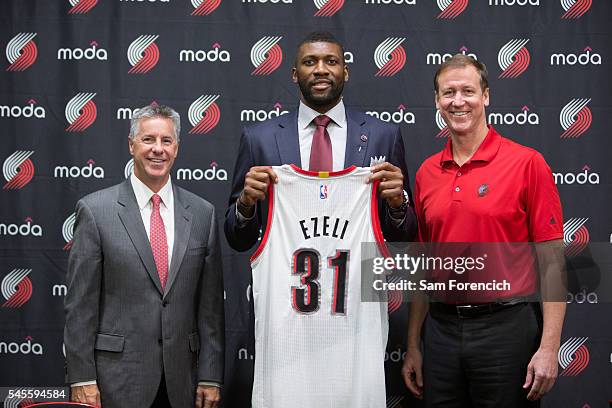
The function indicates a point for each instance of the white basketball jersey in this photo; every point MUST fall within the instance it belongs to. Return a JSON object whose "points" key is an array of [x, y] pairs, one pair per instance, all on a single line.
{"points": [[316, 343]]}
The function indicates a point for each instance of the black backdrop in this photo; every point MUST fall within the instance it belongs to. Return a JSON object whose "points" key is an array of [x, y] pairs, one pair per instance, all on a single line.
{"points": [[75, 70]]}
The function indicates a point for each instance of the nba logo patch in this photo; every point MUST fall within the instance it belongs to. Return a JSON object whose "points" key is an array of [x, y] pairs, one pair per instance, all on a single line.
{"points": [[323, 191]]}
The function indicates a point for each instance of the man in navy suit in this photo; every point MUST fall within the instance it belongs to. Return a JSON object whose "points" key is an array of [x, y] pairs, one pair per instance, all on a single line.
{"points": [[355, 139]]}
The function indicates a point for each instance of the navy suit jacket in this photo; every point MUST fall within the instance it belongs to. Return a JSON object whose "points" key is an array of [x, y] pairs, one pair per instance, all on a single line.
{"points": [[275, 142]]}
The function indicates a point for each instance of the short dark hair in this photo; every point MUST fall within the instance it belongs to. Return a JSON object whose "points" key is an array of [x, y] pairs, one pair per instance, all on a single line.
{"points": [[321, 36], [461, 61]]}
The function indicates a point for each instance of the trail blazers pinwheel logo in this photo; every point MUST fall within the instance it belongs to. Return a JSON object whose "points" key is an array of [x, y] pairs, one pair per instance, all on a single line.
{"points": [[204, 114], [68, 231], [451, 8], [266, 55], [18, 170], [441, 125], [513, 58], [81, 6], [575, 8], [81, 112], [143, 54], [575, 236], [575, 118], [395, 297], [327, 8], [204, 7], [129, 168], [21, 52], [390, 56], [16, 288], [573, 356]]}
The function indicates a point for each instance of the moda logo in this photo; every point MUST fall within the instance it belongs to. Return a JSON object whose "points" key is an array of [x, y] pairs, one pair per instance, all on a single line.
{"points": [[268, 1], [575, 236], [213, 55], [390, 56], [327, 8], [514, 2], [582, 296], [86, 171], [441, 125], [437, 58], [573, 356], [143, 54], [451, 8], [266, 55], [204, 7], [214, 173], [525, 117], [585, 58], [385, 2], [127, 113], [81, 6], [575, 8], [395, 356], [26, 347], [586, 176], [513, 58], [575, 118], [18, 170], [251, 115], [28, 111], [129, 168], [24, 230], [91, 53], [204, 114], [81, 112], [68, 231], [401, 115], [16, 288], [21, 52]]}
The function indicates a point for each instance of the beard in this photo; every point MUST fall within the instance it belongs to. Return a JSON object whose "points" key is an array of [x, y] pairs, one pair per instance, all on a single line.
{"points": [[314, 98]]}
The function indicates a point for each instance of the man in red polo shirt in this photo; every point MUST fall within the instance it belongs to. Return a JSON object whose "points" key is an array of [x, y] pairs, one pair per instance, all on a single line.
{"points": [[494, 349]]}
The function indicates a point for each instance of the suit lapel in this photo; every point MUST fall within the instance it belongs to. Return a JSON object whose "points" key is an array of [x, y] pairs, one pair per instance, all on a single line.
{"points": [[129, 213], [182, 230], [287, 140], [357, 137]]}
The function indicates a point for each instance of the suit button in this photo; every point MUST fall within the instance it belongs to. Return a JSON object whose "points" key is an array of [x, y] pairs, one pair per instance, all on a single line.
{"points": [[159, 341], [164, 303]]}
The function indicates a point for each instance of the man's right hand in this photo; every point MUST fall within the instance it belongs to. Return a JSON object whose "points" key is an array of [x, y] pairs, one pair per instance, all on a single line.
{"points": [[256, 184], [412, 371], [87, 394]]}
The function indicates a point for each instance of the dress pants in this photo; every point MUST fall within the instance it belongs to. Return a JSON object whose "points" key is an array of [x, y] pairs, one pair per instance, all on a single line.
{"points": [[479, 362]]}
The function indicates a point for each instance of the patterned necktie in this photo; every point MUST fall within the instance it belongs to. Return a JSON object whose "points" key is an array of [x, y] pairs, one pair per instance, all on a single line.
{"points": [[159, 243], [321, 149]]}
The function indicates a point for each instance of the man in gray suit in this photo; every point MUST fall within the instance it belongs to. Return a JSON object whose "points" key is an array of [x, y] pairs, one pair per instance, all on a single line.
{"points": [[144, 308]]}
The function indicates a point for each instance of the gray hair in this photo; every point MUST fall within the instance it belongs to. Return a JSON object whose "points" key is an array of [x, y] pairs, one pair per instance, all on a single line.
{"points": [[155, 111]]}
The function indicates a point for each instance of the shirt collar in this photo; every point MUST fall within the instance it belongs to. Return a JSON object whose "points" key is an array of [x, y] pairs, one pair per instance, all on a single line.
{"points": [[486, 151], [144, 193], [306, 115]]}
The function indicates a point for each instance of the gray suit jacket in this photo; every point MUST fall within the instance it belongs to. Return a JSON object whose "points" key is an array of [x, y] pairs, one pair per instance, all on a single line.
{"points": [[121, 329]]}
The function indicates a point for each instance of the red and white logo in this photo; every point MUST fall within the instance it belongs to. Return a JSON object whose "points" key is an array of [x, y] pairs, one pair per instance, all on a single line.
{"points": [[204, 114], [513, 58], [390, 56], [129, 168], [575, 118], [81, 112], [68, 231], [81, 6], [327, 8], [573, 356], [204, 7], [441, 125], [575, 236], [143, 54], [395, 297], [451, 8], [21, 52], [575, 8], [16, 288], [18, 170], [266, 55]]}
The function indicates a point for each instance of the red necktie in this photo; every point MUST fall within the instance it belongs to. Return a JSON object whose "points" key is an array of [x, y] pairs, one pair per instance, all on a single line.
{"points": [[159, 243], [321, 149]]}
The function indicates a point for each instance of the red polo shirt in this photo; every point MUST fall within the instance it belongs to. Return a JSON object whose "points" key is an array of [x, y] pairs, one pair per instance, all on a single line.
{"points": [[504, 194]]}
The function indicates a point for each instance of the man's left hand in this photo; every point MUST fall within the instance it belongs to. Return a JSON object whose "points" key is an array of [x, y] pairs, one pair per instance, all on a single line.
{"points": [[541, 373], [391, 187], [207, 396]]}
